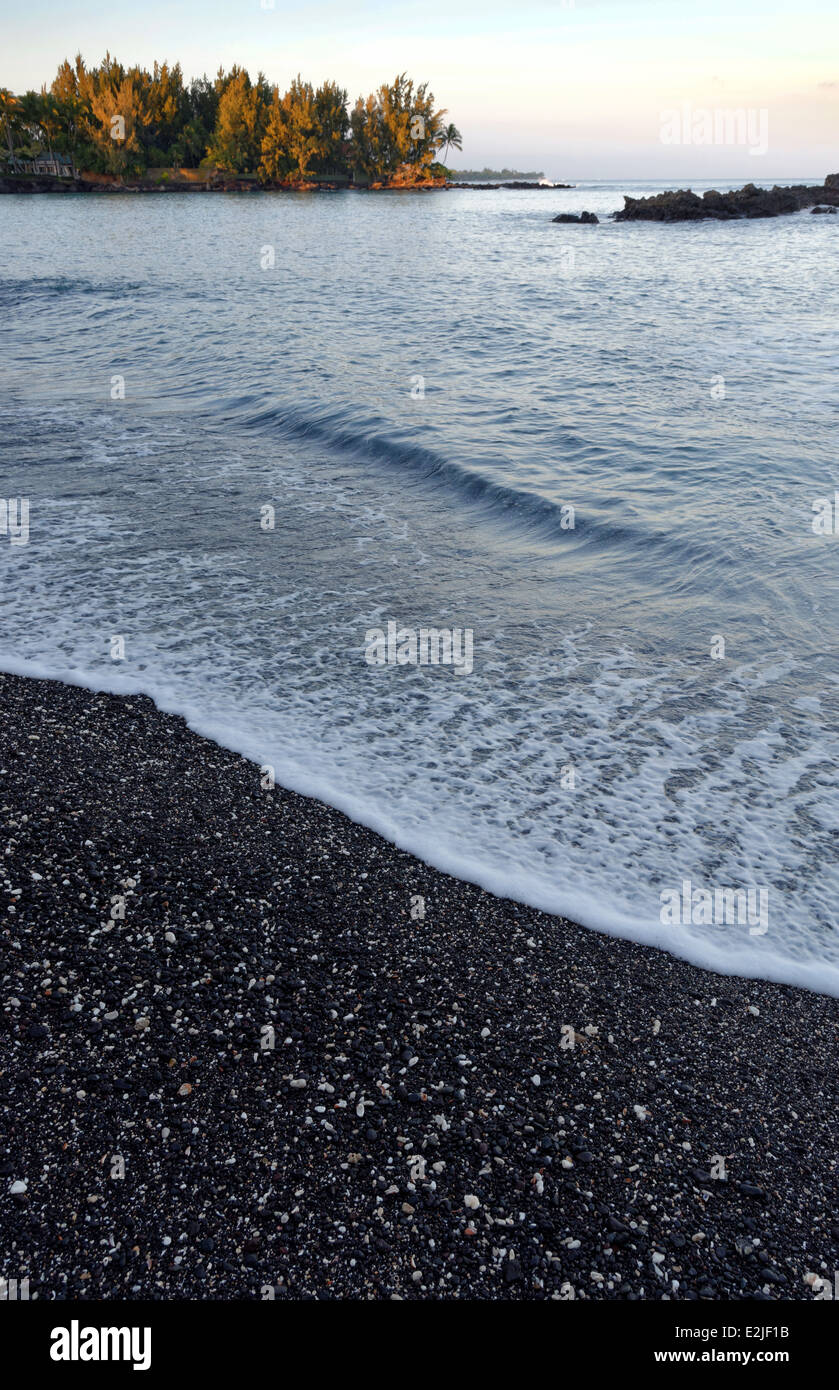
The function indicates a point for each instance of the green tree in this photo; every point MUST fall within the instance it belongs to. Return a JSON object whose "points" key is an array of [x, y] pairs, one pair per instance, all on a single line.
{"points": [[50, 122], [333, 125], [236, 144], [367, 152], [119, 116], [292, 139], [305, 132], [167, 105], [396, 130], [66, 82], [10, 115], [71, 90], [191, 144], [110, 117]]}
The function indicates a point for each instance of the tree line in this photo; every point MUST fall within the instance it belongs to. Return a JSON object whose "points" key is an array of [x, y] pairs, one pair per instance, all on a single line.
{"points": [[123, 121]]}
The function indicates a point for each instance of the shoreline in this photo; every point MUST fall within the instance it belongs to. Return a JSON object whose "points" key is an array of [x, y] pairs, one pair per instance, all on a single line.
{"points": [[579, 1087], [810, 975], [751, 202], [48, 184]]}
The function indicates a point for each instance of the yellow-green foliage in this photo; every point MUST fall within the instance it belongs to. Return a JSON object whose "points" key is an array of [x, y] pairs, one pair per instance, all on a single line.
{"points": [[125, 120]]}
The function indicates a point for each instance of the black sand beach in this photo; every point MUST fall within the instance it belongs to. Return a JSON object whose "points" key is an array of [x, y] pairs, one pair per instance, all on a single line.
{"points": [[418, 1130]]}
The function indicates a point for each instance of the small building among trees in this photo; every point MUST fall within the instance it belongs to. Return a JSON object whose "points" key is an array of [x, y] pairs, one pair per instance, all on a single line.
{"points": [[56, 166]]}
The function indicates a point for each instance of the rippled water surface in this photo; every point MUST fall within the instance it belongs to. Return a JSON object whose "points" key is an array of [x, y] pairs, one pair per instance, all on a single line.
{"points": [[676, 386]]}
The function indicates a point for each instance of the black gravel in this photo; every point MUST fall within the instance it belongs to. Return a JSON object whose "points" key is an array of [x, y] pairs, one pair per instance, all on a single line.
{"points": [[417, 1062]]}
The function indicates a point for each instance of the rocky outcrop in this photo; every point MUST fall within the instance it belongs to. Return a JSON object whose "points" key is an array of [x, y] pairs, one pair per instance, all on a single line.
{"points": [[820, 209], [213, 184], [750, 201], [589, 217], [39, 183]]}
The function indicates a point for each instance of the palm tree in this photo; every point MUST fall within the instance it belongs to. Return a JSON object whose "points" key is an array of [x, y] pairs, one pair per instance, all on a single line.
{"points": [[8, 113], [40, 119], [450, 136], [49, 118]]}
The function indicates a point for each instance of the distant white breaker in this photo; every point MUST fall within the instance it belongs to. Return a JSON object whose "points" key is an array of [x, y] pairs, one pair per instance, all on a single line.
{"points": [[424, 646], [717, 907]]}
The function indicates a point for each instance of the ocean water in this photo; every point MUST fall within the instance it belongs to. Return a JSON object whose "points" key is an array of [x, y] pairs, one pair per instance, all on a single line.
{"points": [[675, 385]]}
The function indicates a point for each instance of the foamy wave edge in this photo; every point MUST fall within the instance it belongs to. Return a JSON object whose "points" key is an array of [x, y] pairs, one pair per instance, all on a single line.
{"points": [[818, 977]]}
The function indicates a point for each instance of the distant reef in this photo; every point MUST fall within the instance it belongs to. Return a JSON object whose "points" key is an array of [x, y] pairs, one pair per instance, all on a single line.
{"points": [[748, 202], [513, 183]]}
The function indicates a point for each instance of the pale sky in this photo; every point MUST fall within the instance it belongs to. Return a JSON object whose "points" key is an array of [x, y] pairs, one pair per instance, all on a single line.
{"points": [[577, 89]]}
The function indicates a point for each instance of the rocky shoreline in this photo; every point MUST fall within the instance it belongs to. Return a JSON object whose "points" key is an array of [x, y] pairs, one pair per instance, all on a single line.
{"points": [[49, 184], [748, 202], [216, 185], [251, 1049]]}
